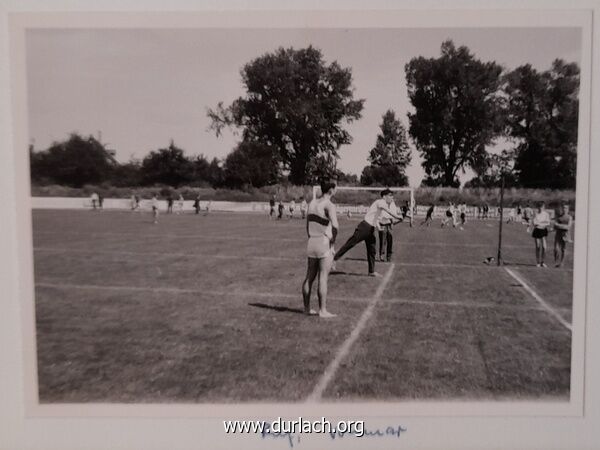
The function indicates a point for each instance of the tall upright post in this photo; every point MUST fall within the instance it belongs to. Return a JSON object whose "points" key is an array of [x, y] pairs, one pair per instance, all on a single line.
{"points": [[501, 220]]}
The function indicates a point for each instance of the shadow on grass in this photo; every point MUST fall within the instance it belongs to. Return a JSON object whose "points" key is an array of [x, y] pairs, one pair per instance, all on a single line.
{"points": [[277, 308], [352, 274]]}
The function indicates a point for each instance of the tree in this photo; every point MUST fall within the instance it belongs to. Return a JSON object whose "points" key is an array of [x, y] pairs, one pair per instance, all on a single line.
{"points": [[390, 156], [296, 103], [490, 172], [542, 120], [128, 174], [167, 166], [458, 111], [251, 164], [74, 162]]}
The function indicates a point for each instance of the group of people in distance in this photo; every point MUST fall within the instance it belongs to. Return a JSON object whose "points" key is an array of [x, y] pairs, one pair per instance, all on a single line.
{"points": [[322, 229], [135, 202], [277, 208]]}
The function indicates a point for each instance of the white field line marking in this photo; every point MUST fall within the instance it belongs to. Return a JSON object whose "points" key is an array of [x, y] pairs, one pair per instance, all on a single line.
{"points": [[244, 257], [270, 295], [343, 351], [539, 299], [255, 238]]}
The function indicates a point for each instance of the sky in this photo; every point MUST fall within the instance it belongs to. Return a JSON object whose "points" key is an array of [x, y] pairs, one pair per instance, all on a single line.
{"points": [[140, 88]]}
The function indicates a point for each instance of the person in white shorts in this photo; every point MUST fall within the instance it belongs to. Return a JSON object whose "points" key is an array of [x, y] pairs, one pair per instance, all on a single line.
{"points": [[154, 204], [180, 204], [321, 227]]}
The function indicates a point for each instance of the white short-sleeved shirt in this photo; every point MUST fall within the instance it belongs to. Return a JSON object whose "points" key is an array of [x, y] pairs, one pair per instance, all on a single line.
{"points": [[542, 219], [384, 217], [374, 211]]}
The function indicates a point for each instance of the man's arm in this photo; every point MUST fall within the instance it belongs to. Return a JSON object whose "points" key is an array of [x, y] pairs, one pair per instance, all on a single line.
{"points": [[386, 210], [332, 215]]}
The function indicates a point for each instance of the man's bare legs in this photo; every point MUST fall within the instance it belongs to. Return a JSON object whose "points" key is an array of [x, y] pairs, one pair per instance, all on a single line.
{"points": [[324, 268], [317, 267]]}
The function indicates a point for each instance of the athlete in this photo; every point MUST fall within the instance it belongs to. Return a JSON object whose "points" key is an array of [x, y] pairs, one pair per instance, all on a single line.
{"points": [[303, 207], [386, 239], [180, 202], [541, 223], [365, 231], [94, 200], [322, 228], [272, 207], [292, 207], [449, 215], [280, 209], [562, 225], [154, 204], [429, 217], [527, 216], [463, 215], [169, 204]]}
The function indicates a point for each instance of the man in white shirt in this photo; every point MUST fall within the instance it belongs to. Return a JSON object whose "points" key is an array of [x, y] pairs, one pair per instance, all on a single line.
{"points": [[365, 231]]}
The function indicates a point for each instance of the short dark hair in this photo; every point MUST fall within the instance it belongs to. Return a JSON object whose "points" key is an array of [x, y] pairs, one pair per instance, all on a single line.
{"points": [[385, 192], [326, 185]]}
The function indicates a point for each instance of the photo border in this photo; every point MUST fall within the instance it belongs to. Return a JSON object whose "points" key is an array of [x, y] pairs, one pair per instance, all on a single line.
{"points": [[19, 22]]}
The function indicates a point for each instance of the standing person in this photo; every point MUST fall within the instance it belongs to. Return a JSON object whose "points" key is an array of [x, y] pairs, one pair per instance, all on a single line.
{"points": [[94, 200], [303, 207], [197, 204], [365, 231], [429, 216], [541, 223], [562, 225], [527, 216], [169, 204], [280, 209], [180, 202], [137, 201], [322, 228], [386, 239], [272, 207], [133, 202], [154, 204], [292, 207], [463, 215], [101, 201]]}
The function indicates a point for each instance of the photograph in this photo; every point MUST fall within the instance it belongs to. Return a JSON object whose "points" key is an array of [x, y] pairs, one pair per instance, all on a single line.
{"points": [[250, 215], [297, 226]]}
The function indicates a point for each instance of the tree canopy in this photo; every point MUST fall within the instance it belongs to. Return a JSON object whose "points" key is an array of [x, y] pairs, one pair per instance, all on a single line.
{"points": [[391, 155], [457, 111], [75, 162], [542, 120], [297, 104]]}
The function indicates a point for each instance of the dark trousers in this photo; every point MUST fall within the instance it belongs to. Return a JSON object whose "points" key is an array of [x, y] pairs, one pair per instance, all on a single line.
{"points": [[363, 232], [386, 241]]}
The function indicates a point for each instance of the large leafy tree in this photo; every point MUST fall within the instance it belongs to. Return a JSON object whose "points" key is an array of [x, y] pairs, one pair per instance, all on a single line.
{"points": [[167, 166], [296, 103], [457, 111], [390, 156], [251, 164], [75, 162], [542, 117]]}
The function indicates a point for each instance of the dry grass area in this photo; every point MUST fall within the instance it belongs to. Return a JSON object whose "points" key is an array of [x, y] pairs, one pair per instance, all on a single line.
{"points": [[208, 309]]}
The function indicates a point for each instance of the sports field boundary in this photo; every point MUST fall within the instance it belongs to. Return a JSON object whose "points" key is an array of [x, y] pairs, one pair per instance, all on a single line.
{"points": [[539, 299], [343, 351]]}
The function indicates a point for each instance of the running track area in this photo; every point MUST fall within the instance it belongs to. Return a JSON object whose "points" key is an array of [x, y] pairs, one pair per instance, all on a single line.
{"points": [[208, 309]]}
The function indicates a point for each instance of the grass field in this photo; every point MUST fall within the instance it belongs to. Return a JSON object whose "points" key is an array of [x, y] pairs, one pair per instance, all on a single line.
{"points": [[208, 309]]}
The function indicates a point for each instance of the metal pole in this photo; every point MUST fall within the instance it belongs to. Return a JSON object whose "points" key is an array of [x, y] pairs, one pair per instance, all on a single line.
{"points": [[501, 220]]}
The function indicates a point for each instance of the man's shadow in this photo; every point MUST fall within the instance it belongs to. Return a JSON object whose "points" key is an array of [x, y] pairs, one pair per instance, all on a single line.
{"points": [[277, 308]]}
